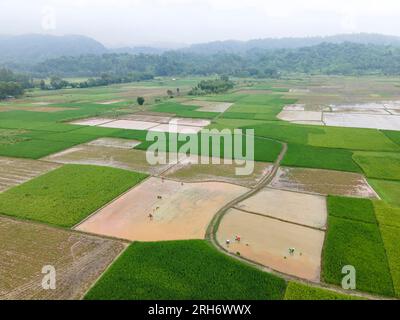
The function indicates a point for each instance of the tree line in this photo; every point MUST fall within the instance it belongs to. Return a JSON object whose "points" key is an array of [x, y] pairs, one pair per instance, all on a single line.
{"points": [[326, 58], [13, 84], [57, 82]]}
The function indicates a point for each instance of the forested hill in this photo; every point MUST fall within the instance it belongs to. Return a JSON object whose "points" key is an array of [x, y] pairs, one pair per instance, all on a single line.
{"points": [[38, 47], [325, 58], [34, 48], [233, 46]]}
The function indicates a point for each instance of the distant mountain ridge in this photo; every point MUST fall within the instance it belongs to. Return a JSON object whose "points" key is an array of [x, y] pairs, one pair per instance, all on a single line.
{"points": [[234, 46], [34, 48], [39, 47]]}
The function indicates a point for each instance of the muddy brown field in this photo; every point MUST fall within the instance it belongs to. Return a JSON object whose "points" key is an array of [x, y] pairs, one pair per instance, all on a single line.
{"points": [[16, 171], [109, 156], [178, 210], [300, 208], [267, 242], [115, 142], [188, 171], [147, 122], [323, 182], [34, 109], [25, 248], [209, 106]]}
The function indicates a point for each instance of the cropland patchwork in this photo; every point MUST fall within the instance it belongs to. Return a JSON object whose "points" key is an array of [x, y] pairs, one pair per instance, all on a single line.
{"points": [[78, 190]]}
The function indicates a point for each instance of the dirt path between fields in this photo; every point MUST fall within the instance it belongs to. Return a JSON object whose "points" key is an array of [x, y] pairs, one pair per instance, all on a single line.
{"points": [[264, 181], [268, 177]]}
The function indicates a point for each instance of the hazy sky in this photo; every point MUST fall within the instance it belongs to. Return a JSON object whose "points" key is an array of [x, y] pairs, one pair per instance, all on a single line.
{"points": [[136, 22]]}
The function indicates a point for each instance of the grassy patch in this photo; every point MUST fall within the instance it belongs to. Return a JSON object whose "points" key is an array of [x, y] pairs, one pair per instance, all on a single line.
{"points": [[264, 149], [183, 270], [358, 244], [387, 190], [393, 135], [67, 195], [352, 138], [379, 165], [386, 214], [298, 291], [286, 132], [391, 240], [34, 149], [10, 136], [320, 158], [351, 208], [183, 110]]}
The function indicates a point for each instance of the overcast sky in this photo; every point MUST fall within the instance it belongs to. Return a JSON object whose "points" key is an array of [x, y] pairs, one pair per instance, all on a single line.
{"points": [[138, 22]]}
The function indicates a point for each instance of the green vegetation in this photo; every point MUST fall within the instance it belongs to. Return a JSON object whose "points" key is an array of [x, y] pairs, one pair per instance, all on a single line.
{"points": [[379, 165], [204, 87], [183, 270], [391, 240], [321, 158], [257, 107], [183, 111], [352, 138], [325, 58], [34, 149], [264, 149], [393, 135], [351, 208], [10, 136], [67, 195], [386, 214], [359, 244], [387, 190], [298, 291], [13, 85]]}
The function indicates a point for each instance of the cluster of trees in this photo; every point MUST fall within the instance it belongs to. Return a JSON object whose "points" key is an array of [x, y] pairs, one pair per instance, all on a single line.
{"points": [[57, 83], [326, 58], [219, 85], [10, 89], [104, 69], [12, 84]]}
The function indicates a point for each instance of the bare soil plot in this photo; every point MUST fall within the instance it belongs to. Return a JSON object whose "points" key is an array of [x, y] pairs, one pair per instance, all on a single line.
{"points": [[188, 171], [146, 118], [34, 109], [299, 90], [323, 182], [371, 108], [191, 122], [300, 115], [134, 92], [253, 91], [91, 121], [110, 102], [129, 124], [373, 121], [173, 128], [267, 241], [128, 159], [304, 209], [180, 210], [153, 122], [40, 103], [314, 123], [209, 106], [392, 104], [17, 171], [115, 143], [294, 107], [25, 248]]}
